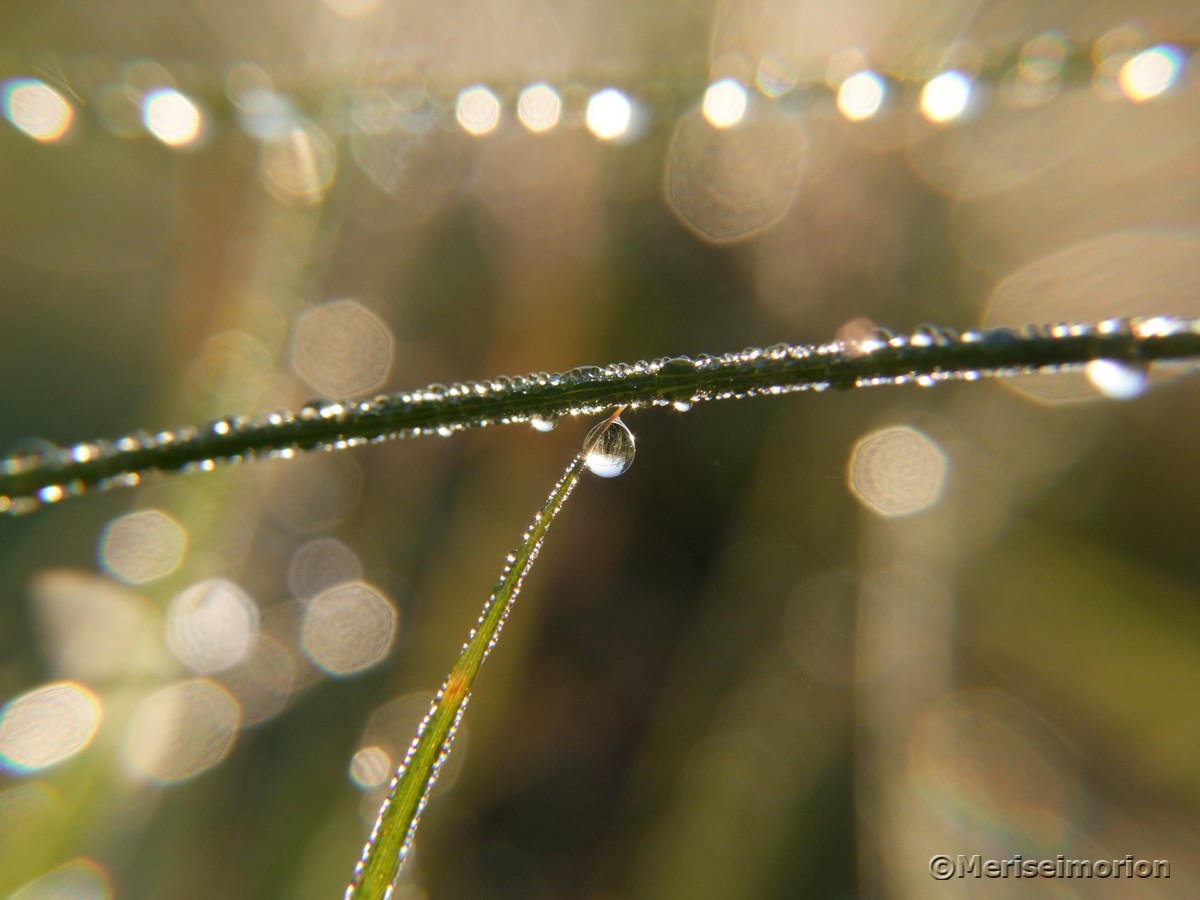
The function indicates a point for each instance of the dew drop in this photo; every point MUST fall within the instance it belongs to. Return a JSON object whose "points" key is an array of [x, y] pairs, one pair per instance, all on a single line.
{"points": [[540, 424], [609, 449], [681, 405], [1118, 380]]}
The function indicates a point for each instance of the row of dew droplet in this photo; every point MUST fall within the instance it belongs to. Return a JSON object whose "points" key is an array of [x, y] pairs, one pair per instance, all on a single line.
{"points": [[55, 473]]}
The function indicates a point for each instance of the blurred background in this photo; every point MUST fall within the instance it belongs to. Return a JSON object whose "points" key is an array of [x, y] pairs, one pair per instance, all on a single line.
{"points": [[804, 644]]}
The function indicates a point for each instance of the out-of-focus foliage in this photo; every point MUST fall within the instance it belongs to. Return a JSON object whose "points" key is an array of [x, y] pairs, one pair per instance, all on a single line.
{"points": [[801, 646]]}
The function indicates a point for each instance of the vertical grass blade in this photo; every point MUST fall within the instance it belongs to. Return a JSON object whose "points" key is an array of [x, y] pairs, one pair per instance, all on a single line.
{"points": [[392, 836]]}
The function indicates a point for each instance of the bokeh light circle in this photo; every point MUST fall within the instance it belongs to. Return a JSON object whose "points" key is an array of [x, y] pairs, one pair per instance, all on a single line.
{"points": [[47, 725], [897, 471], [348, 628]]}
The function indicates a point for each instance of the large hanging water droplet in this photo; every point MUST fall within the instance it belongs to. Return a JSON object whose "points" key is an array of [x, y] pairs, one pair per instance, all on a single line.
{"points": [[609, 449], [541, 424]]}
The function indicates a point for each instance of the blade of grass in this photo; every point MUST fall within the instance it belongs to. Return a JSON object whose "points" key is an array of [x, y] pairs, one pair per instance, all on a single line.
{"points": [[928, 355], [392, 836]]}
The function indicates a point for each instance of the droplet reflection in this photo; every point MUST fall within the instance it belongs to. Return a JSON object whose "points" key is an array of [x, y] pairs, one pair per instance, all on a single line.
{"points": [[370, 767], [342, 348], [539, 107], [171, 117], [477, 110], [609, 114], [1118, 380], [142, 546], [37, 109], [946, 96], [897, 471], [348, 628], [182, 730], [860, 96], [1151, 72], [211, 625], [725, 103], [47, 725]]}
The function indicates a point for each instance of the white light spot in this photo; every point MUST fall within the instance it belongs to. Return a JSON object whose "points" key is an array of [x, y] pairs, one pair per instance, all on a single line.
{"points": [[171, 117], [945, 97], [477, 110], [1151, 73], [539, 107], [47, 725], [609, 114], [142, 546], [181, 730], [860, 96], [1118, 380], [211, 625], [897, 471], [725, 103], [37, 109], [348, 628]]}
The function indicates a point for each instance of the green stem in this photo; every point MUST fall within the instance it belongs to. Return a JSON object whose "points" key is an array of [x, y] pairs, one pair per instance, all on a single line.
{"points": [[928, 355], [392, 836]]}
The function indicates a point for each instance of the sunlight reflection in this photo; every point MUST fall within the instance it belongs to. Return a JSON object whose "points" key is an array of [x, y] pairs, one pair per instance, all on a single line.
{"points": [[724, 103], [37, 109], [211, 625], [860, 96], [477, 110], [1151, 72], [181, 730], [609, 114], [348, 628], [539, 107], [171, 117], [47, 725], [897, 471], [946, 96], [142, 546], [1118, 380]]}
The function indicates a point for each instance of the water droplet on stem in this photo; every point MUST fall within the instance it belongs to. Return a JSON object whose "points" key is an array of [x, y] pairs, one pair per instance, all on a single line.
{"points": [[609, 448], [1117, 379]]}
